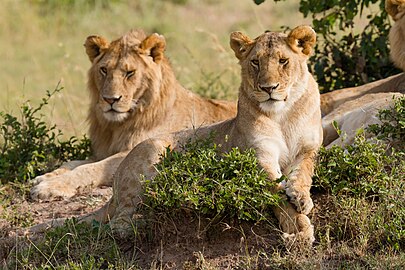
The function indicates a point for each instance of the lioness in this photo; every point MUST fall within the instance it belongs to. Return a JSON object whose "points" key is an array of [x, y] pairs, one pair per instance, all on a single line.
{"points": [[134, 96], [278, 115], [362, 111]]}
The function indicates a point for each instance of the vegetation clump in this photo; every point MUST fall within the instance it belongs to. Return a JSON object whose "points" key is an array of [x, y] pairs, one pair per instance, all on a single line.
{"points": [[201, 179], [30, 147], [365, 183]]}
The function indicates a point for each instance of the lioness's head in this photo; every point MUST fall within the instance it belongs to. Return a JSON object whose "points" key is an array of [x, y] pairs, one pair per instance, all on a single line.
{"points": [[274, 65], [125, 74]]}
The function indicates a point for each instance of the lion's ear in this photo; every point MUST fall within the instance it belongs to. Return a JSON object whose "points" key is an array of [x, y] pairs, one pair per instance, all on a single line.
{"points": [[154, 46], [94, 45], [302, 39], [393, 7], [240, 44]]}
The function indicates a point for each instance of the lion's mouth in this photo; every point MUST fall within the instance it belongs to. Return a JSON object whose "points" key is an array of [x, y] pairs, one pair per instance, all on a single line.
{"points": [[115, 109]]}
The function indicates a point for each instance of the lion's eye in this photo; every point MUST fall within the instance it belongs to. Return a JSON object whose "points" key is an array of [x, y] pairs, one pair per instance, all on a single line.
{"points": [[103, 71], [130, 73], [283, 61], [254, 63]]}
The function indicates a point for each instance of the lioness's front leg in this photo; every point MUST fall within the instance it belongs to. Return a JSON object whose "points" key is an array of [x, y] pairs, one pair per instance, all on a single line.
{"points": [[299, 183], [69, 183]]}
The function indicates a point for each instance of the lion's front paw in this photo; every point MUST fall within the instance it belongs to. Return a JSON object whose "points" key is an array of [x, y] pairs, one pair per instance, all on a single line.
{"points": [[49, 190], [300, 198], [48, 176]]}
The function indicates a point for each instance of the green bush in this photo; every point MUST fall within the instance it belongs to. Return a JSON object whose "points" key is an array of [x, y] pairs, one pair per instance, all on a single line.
{"points": [[29, 147], [359, 169], [199, 178]]}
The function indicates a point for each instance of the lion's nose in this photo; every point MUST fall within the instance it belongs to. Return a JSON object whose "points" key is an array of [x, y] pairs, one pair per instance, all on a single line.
{"points": [[268, 88], [111, 100]]}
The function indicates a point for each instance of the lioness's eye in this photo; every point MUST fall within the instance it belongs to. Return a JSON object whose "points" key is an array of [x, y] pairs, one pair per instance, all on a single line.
{"points": [[283, 61], [103, 71], [255, 63], [130, 73]]}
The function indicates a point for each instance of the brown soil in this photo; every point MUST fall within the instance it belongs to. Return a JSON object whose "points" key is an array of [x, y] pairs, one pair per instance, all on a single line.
{"points": [[185, 241]]}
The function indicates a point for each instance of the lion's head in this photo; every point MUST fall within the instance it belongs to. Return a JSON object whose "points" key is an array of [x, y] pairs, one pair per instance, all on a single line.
{"points": [[396, 8], [125, 75], [274, 65]]}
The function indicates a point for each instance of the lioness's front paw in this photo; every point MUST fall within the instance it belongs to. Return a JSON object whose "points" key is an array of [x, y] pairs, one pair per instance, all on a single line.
{"points": [[304, 236], [49, 190], [300, 199]]}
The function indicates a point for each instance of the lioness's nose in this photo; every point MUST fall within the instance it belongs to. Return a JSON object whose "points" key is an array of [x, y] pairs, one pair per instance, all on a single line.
{"points": [[111, 100], [268, 88]]}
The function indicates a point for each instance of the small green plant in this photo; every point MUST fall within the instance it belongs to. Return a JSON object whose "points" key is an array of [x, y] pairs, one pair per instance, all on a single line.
{"points": [[199, 178], [393, 123], [29, 147]]}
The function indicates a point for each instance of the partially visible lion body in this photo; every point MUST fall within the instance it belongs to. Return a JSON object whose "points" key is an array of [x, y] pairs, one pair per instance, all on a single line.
{"points": [[396, 8], [278, 115], [357, 107], [134, 96], [354, 115]]}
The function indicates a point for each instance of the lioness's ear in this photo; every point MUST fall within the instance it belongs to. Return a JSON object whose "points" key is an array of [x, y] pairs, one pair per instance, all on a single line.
{"points": [[154, 46], [394, 7], [240, 44], [302, 39], [94, 45]]}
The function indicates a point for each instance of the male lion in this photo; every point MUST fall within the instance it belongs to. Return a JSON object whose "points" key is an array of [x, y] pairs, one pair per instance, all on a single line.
{"points": [[362, 111], [134, 96], [278, 115]]}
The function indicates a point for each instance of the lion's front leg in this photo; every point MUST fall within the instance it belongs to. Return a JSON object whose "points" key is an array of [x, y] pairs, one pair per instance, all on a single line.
{"points": [[299, 183], [71, 182]]}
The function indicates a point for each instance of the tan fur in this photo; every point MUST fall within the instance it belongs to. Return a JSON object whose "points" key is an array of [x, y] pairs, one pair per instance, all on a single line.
{"points": [[396, 8], [134, 96], [282, 124], [332, 100], [354, 115]]}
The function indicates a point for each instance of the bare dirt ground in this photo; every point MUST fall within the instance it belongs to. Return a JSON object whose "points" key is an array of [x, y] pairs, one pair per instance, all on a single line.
{"points": [[17, 211], [184, 240]]}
